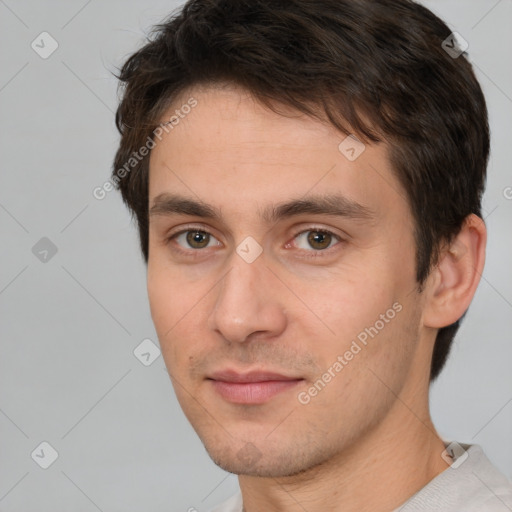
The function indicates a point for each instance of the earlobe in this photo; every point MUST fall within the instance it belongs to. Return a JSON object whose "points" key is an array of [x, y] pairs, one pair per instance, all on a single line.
{"points": [[454, 280]]}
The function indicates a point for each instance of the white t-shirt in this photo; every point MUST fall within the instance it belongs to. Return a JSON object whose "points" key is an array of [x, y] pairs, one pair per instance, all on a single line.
{"points": [[473, 485]]}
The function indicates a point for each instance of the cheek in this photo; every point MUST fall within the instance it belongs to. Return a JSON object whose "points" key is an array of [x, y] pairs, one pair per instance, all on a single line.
{"points": [[360, 379], [358, 316], [349, 300], [179, 310], [170, 295], [167, 307], [159, 289]]}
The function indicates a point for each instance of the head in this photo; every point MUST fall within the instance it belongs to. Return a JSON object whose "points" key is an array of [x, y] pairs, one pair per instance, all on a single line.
{"points": [[274, 242]]}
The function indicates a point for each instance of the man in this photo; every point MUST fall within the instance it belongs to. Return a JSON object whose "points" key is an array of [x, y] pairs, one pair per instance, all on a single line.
{"points": [[306, 177]]}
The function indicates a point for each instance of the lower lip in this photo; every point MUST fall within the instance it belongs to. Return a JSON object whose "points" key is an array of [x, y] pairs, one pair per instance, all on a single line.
{"points": [[252, 392]]}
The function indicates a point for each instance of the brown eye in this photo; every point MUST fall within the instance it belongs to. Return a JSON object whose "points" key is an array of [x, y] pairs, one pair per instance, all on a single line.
{"points": [[197, 239], [319, 240]]}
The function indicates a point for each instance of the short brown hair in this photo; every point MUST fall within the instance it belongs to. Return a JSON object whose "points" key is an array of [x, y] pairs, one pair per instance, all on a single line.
{"points": [[374, 68]]}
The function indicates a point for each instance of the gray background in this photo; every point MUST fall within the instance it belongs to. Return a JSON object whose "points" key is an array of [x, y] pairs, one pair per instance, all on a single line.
{"points": [[69, 325]]}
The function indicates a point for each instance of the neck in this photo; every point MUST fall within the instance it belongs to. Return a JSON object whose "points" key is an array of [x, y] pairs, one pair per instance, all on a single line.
{"points": [[378, 473]]}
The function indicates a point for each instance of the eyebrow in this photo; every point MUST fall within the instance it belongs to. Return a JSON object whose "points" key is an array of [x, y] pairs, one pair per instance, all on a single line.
{"points": [[336, 205]]}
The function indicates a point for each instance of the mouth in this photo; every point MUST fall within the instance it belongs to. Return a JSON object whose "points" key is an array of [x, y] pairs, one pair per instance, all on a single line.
{"points": [[252, 388]]}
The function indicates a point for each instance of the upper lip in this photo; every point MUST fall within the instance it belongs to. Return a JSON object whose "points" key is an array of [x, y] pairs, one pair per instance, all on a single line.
{"points": [[254, 376]]}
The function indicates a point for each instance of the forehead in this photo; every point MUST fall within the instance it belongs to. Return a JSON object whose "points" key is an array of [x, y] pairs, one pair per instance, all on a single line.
{"points": [[232, 152]]}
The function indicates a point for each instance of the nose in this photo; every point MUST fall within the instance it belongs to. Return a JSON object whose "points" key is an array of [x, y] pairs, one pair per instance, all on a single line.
{"points": [[247, 304]]}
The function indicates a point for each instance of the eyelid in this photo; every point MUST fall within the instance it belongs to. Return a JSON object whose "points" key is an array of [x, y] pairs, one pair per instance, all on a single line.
{"points": [[183, 228], [175, 232], [172, 234], [339, 237]]}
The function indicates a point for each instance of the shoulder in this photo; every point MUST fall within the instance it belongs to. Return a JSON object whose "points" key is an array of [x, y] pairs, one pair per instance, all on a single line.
{"points": [[491, 491], [472, 483]]}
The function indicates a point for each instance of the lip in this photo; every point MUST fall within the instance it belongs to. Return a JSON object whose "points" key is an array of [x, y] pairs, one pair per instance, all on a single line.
{"points": [[253, 376], [256, 387]]}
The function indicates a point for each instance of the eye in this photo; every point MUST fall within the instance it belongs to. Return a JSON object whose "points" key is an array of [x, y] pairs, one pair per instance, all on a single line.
{"points": [[195, 239], [317, 240]]}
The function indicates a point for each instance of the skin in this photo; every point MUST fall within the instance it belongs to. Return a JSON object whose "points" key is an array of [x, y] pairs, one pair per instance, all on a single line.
{"points": [[365, 441]]}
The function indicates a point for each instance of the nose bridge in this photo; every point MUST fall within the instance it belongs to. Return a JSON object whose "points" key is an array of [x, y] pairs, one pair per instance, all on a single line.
{"points": [[240, 280], [244, 304]]}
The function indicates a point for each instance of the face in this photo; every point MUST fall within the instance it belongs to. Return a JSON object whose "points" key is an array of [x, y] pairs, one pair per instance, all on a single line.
{"points": [[281, 280]]}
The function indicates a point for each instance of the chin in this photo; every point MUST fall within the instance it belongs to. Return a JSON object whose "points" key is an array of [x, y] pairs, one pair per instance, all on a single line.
{"points": [[271, 463]]}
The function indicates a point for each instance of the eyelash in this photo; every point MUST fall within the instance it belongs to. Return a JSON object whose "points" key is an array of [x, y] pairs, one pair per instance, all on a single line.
{"points": [[312, 253], [308, 253]]}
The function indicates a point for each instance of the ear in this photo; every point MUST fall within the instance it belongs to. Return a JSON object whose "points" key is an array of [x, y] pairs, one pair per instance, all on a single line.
{"points": [[453, 282]]}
